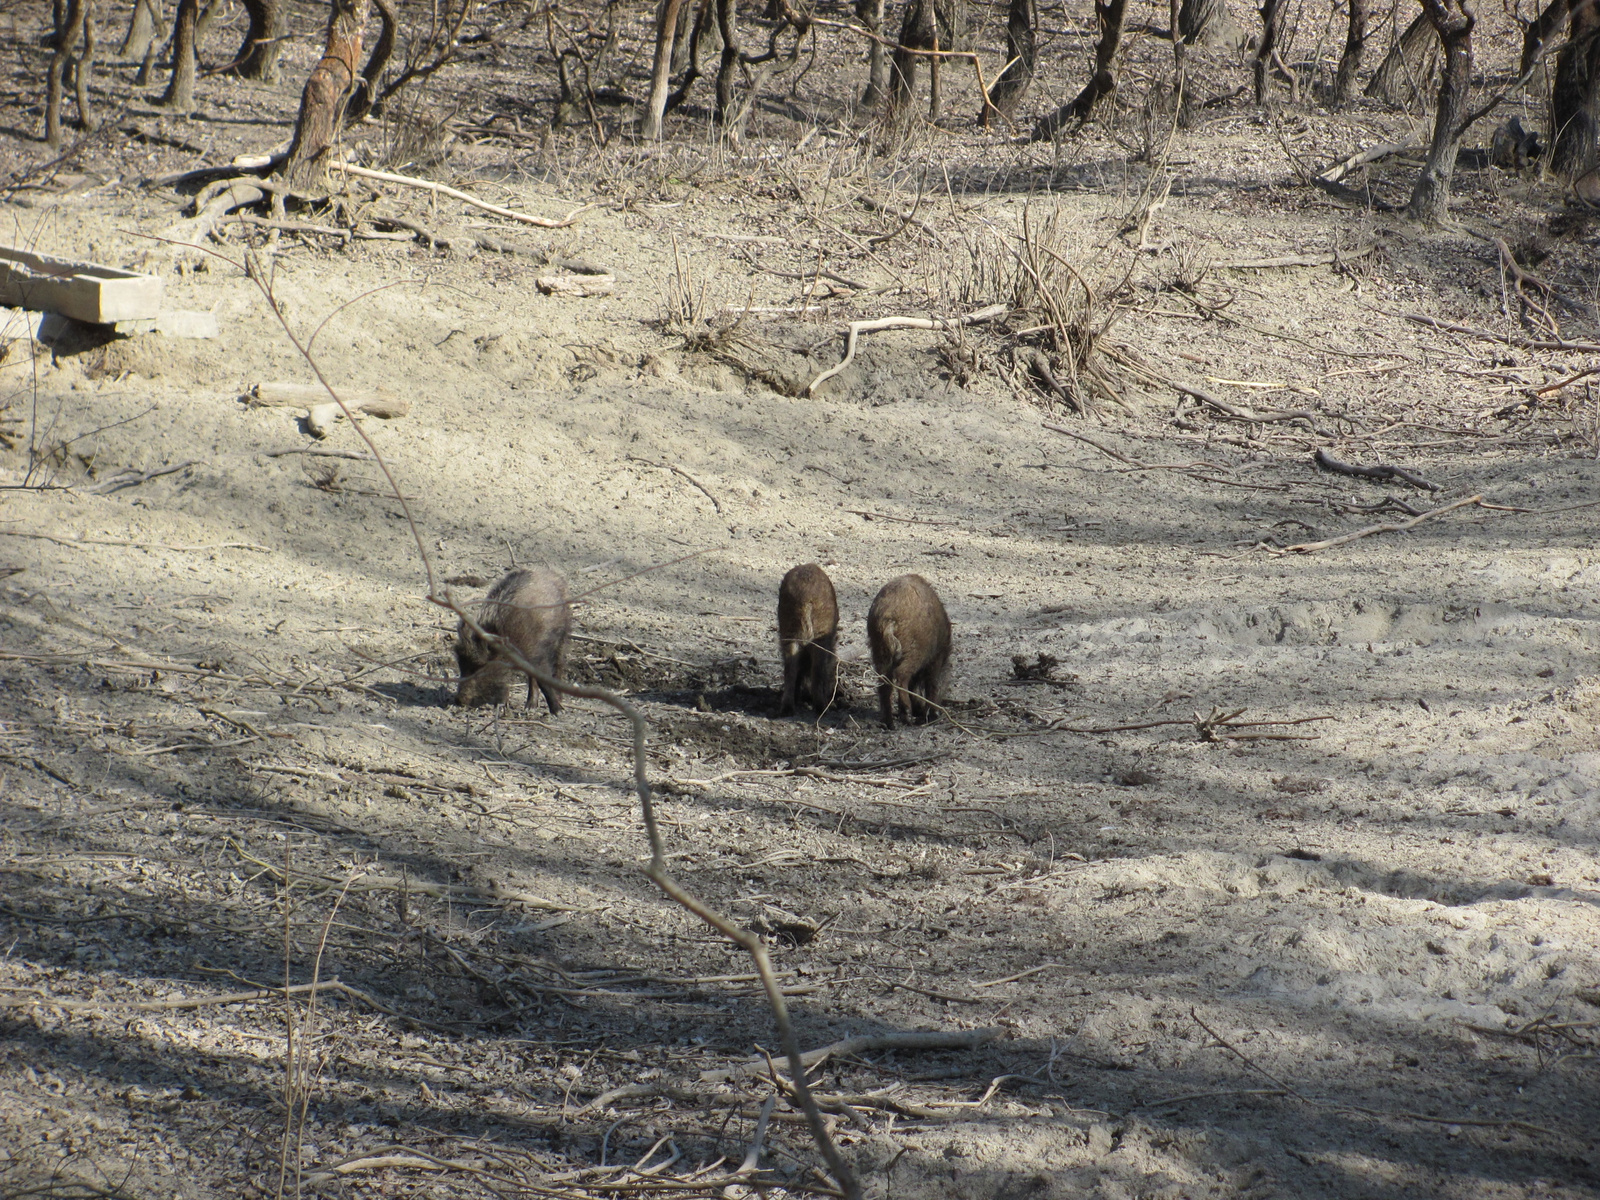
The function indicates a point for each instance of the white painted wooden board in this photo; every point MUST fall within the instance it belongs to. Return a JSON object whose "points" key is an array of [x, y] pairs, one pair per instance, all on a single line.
{"points": [[83, 291]]}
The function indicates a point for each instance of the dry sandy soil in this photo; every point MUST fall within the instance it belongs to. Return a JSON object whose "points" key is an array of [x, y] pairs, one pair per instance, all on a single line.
{"points": [[1356, 957]]}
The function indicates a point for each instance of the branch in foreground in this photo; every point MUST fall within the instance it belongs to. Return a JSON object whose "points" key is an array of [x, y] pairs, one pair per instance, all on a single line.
{"points": [[857, 328]]}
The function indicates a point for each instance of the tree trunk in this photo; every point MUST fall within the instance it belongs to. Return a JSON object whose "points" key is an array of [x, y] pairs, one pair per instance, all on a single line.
{"points": [[1575, 94], [366, 91], [1209, 23], [928, 25], [83, 69], [1355, 43], [144, 26], [661, 70], [728, 27], [680, 39], [1541, 31], [1109, 16], [703, 33], [870, 14], [1267, 46], [1022, 23], [69, 25], [263, 40], [1402, 76], [326, 91], [1430, 198], [180, 87]]}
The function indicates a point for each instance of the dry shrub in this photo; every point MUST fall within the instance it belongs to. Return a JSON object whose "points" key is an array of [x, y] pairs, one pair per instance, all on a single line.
{"points": [[1064, 299]]}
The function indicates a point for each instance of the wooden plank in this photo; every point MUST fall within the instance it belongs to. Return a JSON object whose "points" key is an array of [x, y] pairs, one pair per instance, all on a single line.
{"points": [[83, 291]]}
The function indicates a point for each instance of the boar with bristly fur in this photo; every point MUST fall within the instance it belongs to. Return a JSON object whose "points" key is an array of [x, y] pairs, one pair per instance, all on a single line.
{"points": [[909, 633], [808, 638], [529, 610]]}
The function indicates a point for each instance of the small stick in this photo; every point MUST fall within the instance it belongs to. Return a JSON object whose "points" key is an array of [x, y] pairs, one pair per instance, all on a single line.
{"points": [[1400, 527], [878, 516], [50, 537], [937, 1040], [677, 470], [1521, 343], [1295, 260], [429, 186], [857, 328], [1116, 454], [1383, 471], [316, 452]]}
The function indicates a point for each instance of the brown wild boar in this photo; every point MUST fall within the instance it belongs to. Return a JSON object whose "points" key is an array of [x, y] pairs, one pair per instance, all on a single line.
{"points": [[808, 636], [529, 610], [909, 633]]}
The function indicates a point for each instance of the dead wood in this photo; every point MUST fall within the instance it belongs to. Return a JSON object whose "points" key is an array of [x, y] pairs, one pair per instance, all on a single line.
{"points": [[857, 328], [1504, 339], [1295, 260], [866, 1043], [1355, 162], [1328, 463], [428, 185], [1370, 530]]}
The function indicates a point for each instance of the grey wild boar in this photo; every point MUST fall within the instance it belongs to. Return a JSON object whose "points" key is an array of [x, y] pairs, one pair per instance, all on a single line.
{"points": [[808, 638], [529, 610], [909, 634]]}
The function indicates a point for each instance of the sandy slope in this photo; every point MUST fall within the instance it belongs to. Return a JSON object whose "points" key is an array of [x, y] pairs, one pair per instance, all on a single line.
{"points": [[1269, 967]]}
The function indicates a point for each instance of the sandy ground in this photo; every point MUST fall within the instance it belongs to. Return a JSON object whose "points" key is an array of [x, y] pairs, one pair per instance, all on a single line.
{"points": [[1358, 956]]}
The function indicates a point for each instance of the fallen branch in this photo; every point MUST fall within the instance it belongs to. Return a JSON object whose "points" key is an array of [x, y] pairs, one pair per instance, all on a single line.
{"points": [[441, 189], [857, 328], [1397, 527], [1383, 471], [1296, 260], [936, 1040], [1356, 161], [84, 541], [677, 470], [1104, 449], [128, 479], [1521, 343], [1246, 414]]}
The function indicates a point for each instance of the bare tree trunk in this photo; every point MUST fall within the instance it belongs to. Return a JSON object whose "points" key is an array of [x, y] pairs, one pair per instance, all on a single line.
{"points": [[382, 50], [917, 32], [1355, 43], [1540, 32], [1209, 23], [728, 27], [69, 25], [928, 25], [143, 27], [1267, 46], [870, 14], [680, 39], [263, 40], [1022, 23], [1109, 15], [326, 91], [1575, 94], [180, 87], [701, 36], [83, 69], [1430, 198], [661, 70], [1402, 76]]}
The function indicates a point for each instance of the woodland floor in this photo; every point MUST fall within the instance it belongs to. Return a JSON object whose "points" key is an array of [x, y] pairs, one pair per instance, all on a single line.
{"points": [[1359, 961]]}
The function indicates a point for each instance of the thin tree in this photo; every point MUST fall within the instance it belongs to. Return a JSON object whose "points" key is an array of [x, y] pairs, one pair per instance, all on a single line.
{"points": [[179, 95], [263, 40], [326, 92], [1109, 16], [1403, 73], [1454, 21], [661, 70], [870, 14], [1355, 43], [1022, 52], [74, 22]]}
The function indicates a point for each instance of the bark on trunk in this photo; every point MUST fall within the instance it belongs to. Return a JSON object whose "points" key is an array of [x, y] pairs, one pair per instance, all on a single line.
{"points": [[144, 26], [1209, 23], [326, 91], [1541, 32], [661, 71], [70, 21], [1109, 15], [870, 14], [179, 95], [1022, 53], [928, 25], [1430, 198], [263, 40], [1575, 94], [1402, 77], [701, 37], [1267, 46], [680, 39], [1355, 43], [728, 27], [366, 91]]}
